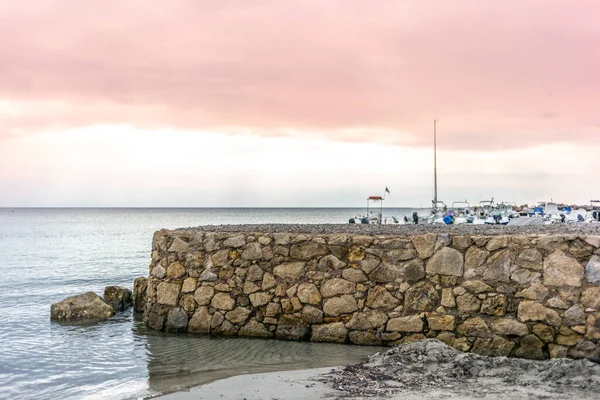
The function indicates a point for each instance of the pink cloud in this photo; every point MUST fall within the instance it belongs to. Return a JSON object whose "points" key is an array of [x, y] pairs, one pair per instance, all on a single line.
{"points": [[496, 74]]}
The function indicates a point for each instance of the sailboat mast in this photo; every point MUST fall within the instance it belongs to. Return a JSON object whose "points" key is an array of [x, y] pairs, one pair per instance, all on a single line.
{"points": [[435, 194]]}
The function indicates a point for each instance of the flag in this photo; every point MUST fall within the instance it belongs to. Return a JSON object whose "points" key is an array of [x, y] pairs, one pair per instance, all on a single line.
{"points": [[387, 190]]}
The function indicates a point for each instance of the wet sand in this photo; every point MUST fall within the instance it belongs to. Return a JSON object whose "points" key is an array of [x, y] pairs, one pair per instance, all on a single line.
{"points": [[178, 362], [288, 385], [426, 369]]}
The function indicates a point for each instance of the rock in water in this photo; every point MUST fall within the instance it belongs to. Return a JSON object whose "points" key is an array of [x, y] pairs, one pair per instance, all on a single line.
{"points": [[140, 285], [83, 307], [117, 297]]}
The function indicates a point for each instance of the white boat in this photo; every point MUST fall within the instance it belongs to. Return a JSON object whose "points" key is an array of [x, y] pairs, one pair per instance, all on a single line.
{"points": [[594, 214], [461, 212], [437, 213], [374, 215]]}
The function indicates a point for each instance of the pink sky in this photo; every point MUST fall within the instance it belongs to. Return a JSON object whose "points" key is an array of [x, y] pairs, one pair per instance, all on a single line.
{"points": [[500, 76]]}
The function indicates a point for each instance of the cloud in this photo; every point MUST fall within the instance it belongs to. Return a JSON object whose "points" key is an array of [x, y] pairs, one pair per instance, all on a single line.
{"points": [[125, 166], [492, 73]]}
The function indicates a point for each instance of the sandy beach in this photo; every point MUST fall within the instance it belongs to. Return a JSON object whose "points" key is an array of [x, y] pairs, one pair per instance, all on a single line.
{"points": [[426, 369]]}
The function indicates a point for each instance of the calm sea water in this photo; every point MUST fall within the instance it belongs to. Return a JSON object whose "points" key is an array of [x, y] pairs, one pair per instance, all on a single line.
{"points": [[49, 254]]}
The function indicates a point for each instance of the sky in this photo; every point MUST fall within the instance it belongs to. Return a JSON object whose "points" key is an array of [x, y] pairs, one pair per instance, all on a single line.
{"points": [[279, 103]]}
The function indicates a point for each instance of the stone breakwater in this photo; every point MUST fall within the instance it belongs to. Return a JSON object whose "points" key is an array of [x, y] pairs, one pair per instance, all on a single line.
{"points": [[531, 295]]}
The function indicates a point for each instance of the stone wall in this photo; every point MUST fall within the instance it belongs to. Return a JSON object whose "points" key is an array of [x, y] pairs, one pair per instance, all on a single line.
{"points": [[525, 296]]}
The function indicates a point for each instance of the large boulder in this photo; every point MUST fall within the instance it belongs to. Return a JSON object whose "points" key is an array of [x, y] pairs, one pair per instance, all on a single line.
{"points": [[83, 307], [117, 297]]}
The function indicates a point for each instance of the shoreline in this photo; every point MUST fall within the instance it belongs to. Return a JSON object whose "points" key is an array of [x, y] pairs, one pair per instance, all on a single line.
{"points": [[426, 369], [287, 384]]}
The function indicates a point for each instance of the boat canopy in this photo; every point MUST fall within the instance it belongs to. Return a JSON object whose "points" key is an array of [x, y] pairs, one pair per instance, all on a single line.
{"points": [[375, 198]]}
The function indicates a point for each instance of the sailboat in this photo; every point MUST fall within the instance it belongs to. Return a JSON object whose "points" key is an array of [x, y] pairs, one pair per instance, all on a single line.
{"points": [[437, 206]]}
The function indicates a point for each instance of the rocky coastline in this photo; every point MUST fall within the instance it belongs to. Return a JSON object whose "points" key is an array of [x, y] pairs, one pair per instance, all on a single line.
{"points": [[502, 293], [491, 290], [89, 308]]}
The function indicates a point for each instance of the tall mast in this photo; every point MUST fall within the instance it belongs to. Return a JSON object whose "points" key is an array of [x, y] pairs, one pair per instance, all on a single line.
{"points": [[435, 196]]}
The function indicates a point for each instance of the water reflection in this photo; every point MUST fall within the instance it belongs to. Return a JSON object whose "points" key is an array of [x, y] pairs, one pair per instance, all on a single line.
{"points": [[177, 362]]}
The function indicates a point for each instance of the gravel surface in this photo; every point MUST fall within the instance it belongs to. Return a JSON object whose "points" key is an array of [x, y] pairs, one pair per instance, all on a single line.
{"points": [[432, 367], [463, 229]]}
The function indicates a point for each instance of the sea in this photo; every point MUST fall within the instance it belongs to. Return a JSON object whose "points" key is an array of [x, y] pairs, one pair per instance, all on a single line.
{"points": [[48, 254]]}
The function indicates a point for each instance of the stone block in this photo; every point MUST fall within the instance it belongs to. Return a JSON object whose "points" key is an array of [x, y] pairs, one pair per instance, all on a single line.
{"points": [[495, 346], [223, 301], [336, 286], [424, 244], [364, 338], [495, 305], [534, 311], [366, 320], [140, 286], [590, 298], [308, 250], [412, 323], [421, 297], [561, 269], [509, 327], [474, 327], [530, 259], [292, 328], [532, 348], [335, 332], [380, 298], [441, 322], [468, 303], [177, 320], [290, 271], [168, 293], [260, 299], [255, 329], [447, 261], [335, 306]]}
